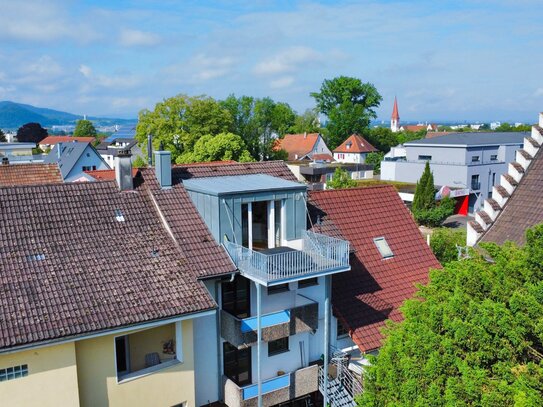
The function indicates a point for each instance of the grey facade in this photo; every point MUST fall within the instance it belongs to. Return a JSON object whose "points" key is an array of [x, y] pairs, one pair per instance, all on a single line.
{"points": [[464, 160]]}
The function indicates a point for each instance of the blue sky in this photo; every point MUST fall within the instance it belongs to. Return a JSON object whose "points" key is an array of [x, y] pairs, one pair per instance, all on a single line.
{"points": [[445, 60]]}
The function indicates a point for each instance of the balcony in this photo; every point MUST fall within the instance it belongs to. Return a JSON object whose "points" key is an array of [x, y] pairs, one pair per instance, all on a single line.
{"points": [[303, 317], [275, 390], [319, 255]]}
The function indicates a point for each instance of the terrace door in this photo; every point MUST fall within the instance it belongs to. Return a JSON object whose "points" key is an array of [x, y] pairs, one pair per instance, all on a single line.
{"points": [[262, 226]]}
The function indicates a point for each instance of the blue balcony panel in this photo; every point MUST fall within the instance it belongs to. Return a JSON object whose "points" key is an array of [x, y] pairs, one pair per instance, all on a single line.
{"points": [[268, 386], [250, 324]]}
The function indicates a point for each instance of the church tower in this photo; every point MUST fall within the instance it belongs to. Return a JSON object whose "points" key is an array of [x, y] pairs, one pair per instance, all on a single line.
{"points": [[395, 120]]}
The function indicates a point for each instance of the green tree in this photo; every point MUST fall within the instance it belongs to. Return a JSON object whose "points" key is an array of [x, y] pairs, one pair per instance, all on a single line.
{"points": [[259, 122], [472, 337], [85, 128], [222, 147], [424, 197], [444, 242], [349, 105], [139, 162], [308, 122], [178, 122], [341, 180], [3, 138], [375, 160], [382, 138]]}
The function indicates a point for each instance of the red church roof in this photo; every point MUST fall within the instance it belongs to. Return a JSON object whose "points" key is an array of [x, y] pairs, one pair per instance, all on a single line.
{"points": [[395, 114]]}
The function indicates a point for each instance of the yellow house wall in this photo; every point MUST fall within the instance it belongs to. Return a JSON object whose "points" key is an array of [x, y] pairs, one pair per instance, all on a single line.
{"points": [[51, 380], [98, 379], [148, 341]]}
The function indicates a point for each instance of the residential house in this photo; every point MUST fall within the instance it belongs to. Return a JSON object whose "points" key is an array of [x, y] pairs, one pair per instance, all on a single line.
{"points": [[418, 127], [317, 173], [51, 141], [389, 257], [515, 204], [353, 150], [28, 174], [109, 149], [74, 159], [304, 147], [100, 297], [258, 212], [18, 152], [472, 161]]}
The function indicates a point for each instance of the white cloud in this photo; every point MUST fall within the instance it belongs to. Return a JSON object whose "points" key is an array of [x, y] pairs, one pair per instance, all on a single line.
{"points": [[538, 92], [85, 70], [137, 38], [282, 82], [289, 60], [200, 68], [126, 81]]}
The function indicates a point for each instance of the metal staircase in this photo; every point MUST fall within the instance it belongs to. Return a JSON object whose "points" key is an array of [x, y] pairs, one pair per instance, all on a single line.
{"points": [[343, 384]]}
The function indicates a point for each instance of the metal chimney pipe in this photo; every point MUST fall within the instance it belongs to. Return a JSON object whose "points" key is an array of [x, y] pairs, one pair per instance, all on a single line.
{"points": [[149, 149], [59, 150]]}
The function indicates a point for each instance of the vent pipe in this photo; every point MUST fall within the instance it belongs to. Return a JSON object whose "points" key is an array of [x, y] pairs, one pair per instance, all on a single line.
{"points": [[123, 170], [163, 168], [59, 151], [149, 150], [5, 160]]}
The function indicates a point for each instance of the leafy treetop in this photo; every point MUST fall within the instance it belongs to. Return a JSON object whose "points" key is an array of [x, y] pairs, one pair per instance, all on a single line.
{"points": [[340, 180], [85, 128], [349, 105], [472, 337], [31, 133]]}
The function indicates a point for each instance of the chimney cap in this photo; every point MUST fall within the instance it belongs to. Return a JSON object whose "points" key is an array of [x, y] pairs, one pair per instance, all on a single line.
{"points": [[124, 153], [5, 160]]}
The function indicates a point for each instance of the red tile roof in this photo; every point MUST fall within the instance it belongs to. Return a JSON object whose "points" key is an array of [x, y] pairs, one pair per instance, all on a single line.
{"points": [[107, 175], [432, 134], [323, 157], [29, 174], [365, 297], [52, 140], [297, 145], [358, 144], [70, 267]]}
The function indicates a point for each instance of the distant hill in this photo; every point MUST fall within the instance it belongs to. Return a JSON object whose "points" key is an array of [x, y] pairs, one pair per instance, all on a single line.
{"points": [[14, 115]]}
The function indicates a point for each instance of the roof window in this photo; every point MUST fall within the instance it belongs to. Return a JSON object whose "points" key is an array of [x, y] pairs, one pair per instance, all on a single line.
{"points": [[383, 247], [119, 215], [348, 145], [36, 257]]}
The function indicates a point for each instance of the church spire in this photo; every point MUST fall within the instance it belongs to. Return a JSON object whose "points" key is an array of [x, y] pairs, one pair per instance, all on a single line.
{"points": [[395, 120]]}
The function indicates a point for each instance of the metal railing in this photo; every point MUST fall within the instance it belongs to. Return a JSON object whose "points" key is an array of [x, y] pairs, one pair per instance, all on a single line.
{"points": [[319, 253]]}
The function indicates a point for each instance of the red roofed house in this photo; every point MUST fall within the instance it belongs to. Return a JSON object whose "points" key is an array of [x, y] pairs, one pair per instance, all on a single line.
{"points": [[388, 258], [353, 150], [50, 141], [304, 147]]}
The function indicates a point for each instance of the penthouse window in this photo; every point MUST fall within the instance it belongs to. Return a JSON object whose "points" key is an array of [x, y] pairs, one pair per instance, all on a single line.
{"points": [[425, 158], [475, 158]]}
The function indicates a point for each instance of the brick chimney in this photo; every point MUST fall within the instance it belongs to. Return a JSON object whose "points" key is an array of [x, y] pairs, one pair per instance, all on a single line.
{"points": [[123, 170]]}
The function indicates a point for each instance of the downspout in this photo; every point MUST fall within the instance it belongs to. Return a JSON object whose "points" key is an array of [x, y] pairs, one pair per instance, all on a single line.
{"points": [[326, 337], [259, 340], [218, 328]]}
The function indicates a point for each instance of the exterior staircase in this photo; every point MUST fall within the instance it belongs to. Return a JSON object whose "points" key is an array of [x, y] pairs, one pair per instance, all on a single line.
{"points": [[343, 384], [508, 183]]}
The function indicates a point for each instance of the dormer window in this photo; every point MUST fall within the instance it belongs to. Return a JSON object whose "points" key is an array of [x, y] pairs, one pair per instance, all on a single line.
{"points": [[383, 247], [348, 145]]}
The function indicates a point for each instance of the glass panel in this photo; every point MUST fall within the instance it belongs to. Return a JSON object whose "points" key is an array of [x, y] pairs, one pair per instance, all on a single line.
{"points": [[237, 364], [120, 353], [260, 225], [245, 225], [236, 297], [277, 223]]}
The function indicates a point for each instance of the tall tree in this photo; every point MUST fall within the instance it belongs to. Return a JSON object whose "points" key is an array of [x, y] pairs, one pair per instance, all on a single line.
{"points": [[472, 337], [85, 128], [178, 122], [424, 192], [308, 122], [3, 138], [349, 105], [259, 122], [31, 133]]}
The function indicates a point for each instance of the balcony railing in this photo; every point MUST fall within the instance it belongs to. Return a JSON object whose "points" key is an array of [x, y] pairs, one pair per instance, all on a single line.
{"points": [[303, 316], [320, 254], [276, 390]]}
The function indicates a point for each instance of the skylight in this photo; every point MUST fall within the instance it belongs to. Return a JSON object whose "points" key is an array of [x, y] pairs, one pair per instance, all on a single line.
{"points": [[119, 215], [36, 257], [383, 247]]}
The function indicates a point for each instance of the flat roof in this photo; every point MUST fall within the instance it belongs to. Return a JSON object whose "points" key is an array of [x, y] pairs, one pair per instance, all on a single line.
{"points": [[11, 146], [472, 139], [240, 184]]}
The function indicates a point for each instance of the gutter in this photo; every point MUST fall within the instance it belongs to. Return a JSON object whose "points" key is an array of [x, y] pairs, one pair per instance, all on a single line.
{"points": [[111, 331]]}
